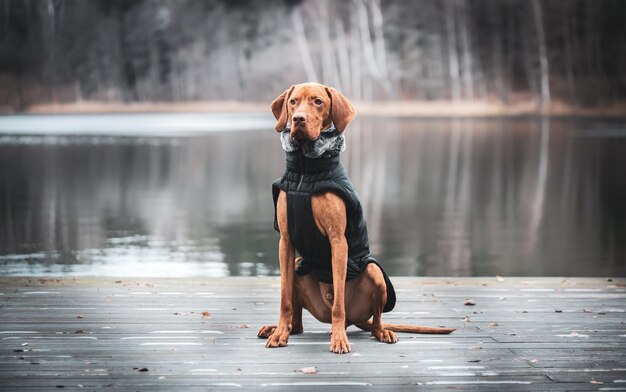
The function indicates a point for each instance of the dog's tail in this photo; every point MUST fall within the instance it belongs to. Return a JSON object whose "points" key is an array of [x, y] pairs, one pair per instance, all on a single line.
{"points": [[418, 329], [367, 326]]}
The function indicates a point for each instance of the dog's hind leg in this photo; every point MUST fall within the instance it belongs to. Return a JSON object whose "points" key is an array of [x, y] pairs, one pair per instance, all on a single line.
{"points": [[378, 299], [296, 316], [265, 331], [386, 332]]}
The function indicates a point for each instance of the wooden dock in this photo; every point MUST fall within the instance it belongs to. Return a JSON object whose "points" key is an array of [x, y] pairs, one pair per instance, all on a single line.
{"points": [[200, 334]]}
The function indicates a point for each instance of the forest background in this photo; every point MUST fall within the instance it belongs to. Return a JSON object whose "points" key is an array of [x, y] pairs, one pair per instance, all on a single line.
{"points": [[414, 56]]}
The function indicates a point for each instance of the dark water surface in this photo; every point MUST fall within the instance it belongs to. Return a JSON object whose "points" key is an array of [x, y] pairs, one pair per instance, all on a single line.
{"points": [[442, 197]]}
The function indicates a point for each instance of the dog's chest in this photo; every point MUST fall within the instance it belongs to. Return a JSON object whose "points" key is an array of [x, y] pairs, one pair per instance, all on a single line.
{"points": [[304, 178], [303, 231]]}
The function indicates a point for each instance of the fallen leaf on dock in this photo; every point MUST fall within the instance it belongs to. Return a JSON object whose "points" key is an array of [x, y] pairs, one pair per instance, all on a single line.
{"points": [[469, 302], [206, 315], [142, 369], [558, 311], [244, 326], [80, 316], [309, 370], [79, 331]]}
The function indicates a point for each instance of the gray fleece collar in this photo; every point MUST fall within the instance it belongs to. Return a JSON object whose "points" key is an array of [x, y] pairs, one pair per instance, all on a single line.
{"points": [[330, 143]]}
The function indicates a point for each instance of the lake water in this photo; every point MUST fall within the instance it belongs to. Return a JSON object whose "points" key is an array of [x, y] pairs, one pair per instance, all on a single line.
{"points": [[189, 195]]}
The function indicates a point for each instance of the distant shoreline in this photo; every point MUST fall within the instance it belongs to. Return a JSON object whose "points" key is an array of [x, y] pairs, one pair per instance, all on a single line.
{"points": [[381, 108]]}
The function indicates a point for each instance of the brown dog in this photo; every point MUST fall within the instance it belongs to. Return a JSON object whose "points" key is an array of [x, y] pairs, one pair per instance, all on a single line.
{"points": [[341, 300]]}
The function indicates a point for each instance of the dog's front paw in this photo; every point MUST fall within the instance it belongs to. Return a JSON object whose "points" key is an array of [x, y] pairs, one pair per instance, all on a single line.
{"points": [[339, 343], [278, 338]]}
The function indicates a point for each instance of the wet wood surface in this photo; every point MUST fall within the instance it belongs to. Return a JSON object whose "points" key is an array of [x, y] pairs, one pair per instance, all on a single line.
{"points": [[200, 334]]}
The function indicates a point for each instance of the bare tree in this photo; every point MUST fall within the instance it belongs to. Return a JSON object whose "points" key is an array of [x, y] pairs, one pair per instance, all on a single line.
{"points": [[468, 73], [543, 53], [355, 58], [368, 49], [453, 59], [330, 72], [303, 45], [343, 55]]}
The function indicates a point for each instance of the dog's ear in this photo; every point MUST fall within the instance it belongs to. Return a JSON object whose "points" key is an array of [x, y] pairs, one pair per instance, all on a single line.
{"points": [[279, 109], [341, 110]]}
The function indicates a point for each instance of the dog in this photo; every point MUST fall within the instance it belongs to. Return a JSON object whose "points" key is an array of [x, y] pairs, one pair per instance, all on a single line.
{"points": [[318, 214]]}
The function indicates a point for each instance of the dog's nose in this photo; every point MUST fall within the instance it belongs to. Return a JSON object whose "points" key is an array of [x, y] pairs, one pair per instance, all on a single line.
{"points": [[299, 118]]}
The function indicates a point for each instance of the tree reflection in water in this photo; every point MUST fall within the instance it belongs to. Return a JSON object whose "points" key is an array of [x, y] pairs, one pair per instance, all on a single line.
{"points": [[518, 196]]}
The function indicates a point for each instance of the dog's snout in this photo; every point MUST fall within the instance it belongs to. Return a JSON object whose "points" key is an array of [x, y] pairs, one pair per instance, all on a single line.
{"points": [[299, 118]]}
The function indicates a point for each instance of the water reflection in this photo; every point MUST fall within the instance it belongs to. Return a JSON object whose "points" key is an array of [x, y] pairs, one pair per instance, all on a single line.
{"points": [[442, 197]]}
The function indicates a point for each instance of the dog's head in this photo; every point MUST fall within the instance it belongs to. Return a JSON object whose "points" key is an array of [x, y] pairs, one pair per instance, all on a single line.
{"points": [[310, 108]]}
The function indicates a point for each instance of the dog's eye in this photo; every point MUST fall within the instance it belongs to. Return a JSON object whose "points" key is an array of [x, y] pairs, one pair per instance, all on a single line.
{"points": [[292, 101], [318, 101]]}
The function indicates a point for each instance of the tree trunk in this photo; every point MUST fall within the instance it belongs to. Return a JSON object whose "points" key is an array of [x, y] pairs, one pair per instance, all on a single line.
{"points": [[468, 82], [379, 38], [330, 73], [453, 60], [344, 57], [530, 72], [569, 62], [303, 46], [499, 68], [543, 54], [368, 50], [356, 58]]}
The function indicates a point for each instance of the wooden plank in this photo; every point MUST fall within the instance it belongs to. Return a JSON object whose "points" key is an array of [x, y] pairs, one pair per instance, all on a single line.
{"points": [[550, 333]]}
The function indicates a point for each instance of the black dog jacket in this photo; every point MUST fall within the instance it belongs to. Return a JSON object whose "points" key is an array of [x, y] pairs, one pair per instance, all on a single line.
{"points": [[303, 178]]}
